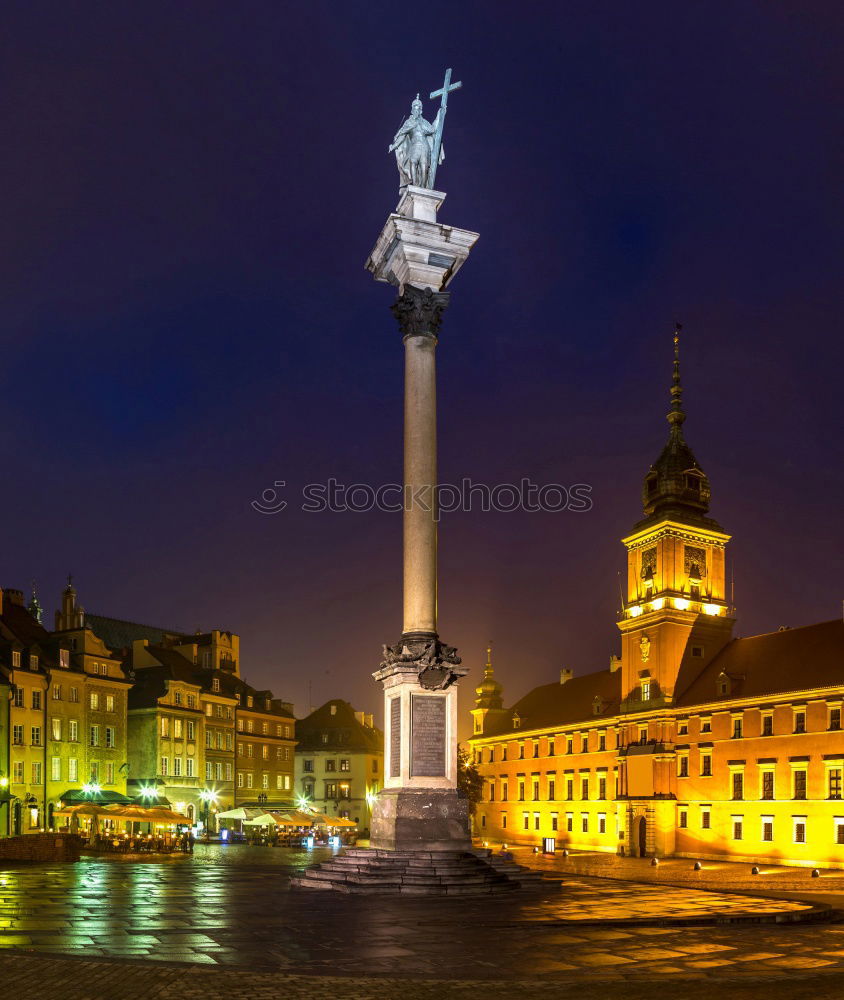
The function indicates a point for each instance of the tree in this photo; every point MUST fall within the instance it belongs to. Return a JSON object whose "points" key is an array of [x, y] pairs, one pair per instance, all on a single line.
{"points": [[470, 782]]}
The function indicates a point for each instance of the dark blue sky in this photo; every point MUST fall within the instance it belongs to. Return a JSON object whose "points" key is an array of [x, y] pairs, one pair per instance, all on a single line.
{"points": [[188, 194]]}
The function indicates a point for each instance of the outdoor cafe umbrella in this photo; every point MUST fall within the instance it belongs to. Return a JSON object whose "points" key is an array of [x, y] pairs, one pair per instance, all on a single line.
{"points": [[241, 812], [263, 819], [336, 821]]}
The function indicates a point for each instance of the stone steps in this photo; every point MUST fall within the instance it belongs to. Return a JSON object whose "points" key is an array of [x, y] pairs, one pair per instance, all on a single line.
{"points": [[411, 873]]}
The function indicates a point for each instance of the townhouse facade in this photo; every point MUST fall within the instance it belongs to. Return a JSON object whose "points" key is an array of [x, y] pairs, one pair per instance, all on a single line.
{"points": [[692, 743], [340, 761]]}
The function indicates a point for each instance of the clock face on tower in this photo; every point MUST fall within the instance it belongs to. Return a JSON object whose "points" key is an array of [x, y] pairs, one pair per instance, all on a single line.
{"points": [[645, 648]]}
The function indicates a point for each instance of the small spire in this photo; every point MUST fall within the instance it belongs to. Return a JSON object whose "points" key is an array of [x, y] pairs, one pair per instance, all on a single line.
{"points": [[488, 664], [34, 606], [676, 416], [70, 581]]}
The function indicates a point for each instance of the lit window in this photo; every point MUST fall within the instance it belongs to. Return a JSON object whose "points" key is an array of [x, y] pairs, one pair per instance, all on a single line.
{"points": [[767, 784], [834, 782], [768, 724], [799, 722], [834, 719]]}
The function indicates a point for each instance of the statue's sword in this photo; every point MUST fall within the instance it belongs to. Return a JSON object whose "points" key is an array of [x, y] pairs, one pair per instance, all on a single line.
{"points": [[443, 92]]}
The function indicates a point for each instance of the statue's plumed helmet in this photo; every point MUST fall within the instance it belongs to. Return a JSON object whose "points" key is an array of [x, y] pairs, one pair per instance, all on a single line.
{"points": [[416, 103]]}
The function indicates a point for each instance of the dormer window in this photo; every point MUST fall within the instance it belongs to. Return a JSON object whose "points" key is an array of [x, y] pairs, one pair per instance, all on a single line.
{"points": [[267, 704], [516, 720], [692, 482], [215, 684], [646, 690], [33, 661], [249, 701], [64, 658], [651, 484], [16, 657]]}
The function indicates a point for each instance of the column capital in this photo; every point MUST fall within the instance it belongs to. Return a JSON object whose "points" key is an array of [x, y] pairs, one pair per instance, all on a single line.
{"points": [[419, 311], [432, 663]]}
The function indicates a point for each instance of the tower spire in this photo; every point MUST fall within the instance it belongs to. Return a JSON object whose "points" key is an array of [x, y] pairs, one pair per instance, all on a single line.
{"points": [[488, 664], [676, 416]]}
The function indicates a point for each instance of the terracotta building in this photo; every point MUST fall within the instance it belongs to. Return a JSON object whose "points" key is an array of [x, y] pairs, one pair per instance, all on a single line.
{"points": [[692, 742]]}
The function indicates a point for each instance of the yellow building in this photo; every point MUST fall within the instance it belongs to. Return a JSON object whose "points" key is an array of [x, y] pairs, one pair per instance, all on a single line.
{"points": [[692, 743], [86, 712], [199, 735]]}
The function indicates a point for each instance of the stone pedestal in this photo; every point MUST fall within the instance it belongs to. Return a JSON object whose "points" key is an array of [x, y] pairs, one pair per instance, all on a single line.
{"points": [[423, 819]]}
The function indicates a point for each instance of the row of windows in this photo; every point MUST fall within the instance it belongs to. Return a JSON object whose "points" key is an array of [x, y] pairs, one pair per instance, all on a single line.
{"points": [[249, 726], [96, 700], [217, 770], [738, 729], [767, 778], [333, 790], [56, 734], [552, 789], [331, 765], [218, 740], [584, 747], [56, 768], [246, 779], [533, 821], [247, 750], [738, 827]]}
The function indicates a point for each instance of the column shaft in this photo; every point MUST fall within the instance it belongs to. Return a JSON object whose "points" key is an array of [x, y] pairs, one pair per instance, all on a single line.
{"points": [[420, 479]]}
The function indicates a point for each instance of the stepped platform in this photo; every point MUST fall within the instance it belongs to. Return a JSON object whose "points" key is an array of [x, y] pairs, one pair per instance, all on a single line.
{"points": [[370, 871]]}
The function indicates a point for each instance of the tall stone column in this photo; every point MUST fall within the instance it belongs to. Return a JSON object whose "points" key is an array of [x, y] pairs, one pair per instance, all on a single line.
{"points": [[419, 808], [419, 314]]}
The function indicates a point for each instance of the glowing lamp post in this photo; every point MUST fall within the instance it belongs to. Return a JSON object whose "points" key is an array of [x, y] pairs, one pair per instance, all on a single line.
{"points": [[207, 797]]}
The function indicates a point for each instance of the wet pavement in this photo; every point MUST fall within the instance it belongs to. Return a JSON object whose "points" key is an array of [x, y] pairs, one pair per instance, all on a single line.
{"points": [[231, 907]]}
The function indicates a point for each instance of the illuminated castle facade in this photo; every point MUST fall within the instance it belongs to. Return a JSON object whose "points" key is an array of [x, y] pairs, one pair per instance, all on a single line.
{"points": [[692, 743]]}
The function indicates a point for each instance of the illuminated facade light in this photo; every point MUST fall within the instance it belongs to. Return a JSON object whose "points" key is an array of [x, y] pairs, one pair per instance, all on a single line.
{"points": [[658, 604], [681, 604], [711, 609], [635, 611], [149, 792]]}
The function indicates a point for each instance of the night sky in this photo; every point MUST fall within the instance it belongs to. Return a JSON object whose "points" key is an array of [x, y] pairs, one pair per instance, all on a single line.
{"points": [[189, 192]]}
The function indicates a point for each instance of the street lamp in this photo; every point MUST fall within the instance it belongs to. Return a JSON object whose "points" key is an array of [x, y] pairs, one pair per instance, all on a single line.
{"points": [[207, 797]]}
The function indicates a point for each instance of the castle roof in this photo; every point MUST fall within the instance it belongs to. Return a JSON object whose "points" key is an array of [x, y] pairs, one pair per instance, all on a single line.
{"points": [[792, 659]]}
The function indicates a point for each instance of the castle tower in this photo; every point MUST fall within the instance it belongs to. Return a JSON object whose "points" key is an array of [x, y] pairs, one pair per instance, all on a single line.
{"points": [[675, 617], [489, 699]]}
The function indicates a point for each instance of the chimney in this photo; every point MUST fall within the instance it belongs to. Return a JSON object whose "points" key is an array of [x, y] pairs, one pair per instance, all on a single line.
{"points": [[361, 718], [615, 663], [370, 720], [565, 675]]}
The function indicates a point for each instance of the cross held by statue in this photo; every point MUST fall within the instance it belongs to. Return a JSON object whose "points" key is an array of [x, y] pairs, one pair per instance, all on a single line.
{"points": [[443, 92]]}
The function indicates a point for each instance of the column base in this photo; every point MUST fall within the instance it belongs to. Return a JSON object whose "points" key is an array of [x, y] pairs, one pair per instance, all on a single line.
{"points": [[420, 819]]}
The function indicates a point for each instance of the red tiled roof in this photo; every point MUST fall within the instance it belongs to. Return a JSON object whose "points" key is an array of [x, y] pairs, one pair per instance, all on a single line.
{"points": [[794, 659], [561, 704]]}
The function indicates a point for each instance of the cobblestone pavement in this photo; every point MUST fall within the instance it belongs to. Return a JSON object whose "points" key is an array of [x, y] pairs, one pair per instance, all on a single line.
{"points": [[230, 907], [720, 875]]}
